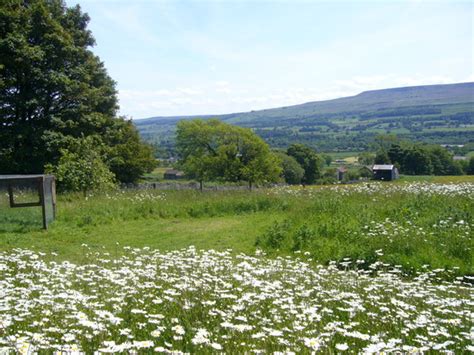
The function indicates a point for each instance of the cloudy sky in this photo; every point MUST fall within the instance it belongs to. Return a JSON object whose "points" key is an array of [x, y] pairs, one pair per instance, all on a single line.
{"points": [[206, 57]]}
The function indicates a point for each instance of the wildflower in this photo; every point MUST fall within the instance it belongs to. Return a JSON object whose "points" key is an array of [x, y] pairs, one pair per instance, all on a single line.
{"points": [[312, 343], [276, 333], [143, 344], [179, 330], [201, 337], [342, 347], [216, 346], [155, 333]]}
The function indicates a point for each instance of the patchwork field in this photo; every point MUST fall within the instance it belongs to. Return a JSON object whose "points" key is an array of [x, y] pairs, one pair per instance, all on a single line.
{"points": [[369, 267]]}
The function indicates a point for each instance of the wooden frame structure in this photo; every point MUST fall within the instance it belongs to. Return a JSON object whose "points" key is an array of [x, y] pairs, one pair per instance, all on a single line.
{"points": [[45, 185]]}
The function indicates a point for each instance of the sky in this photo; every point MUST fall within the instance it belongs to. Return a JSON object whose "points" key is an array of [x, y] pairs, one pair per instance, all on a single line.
{"points": [[211, 57]]}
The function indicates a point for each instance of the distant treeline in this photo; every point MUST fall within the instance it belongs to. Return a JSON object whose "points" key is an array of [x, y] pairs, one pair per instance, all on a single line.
{"points": [[419, 159], [404, 111]]}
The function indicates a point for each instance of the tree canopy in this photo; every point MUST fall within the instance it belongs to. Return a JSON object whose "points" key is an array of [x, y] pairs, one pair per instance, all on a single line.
{"points": [[417, 159], [309, 161], [54, 91], [213, 150], [292, 171]]}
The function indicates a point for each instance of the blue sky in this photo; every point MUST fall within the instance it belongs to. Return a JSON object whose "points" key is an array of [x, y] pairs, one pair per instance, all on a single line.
{"points": [[206, 57]]}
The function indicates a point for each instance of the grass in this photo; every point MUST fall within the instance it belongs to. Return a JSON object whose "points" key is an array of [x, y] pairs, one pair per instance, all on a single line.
{"points": [[156, 174], [290, 269], [330, 223], [343, 155], [167, 234], [437, 179]]}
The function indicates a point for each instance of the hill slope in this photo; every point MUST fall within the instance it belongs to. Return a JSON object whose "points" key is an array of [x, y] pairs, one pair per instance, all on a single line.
{"points": [[433, 113]]}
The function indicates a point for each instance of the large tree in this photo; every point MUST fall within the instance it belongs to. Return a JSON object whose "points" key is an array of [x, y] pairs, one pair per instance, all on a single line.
{"points": [[309, 161], [292, 172], [53, 89], [213, 150]]}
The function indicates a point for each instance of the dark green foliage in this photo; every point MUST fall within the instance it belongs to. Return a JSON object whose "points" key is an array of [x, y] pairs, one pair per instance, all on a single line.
{"points": [[463, 150], [382, 157], [293, 173], [351, 175], [442, 161], [127, 156], [365, 172], [81, 168], [309, 161], [416, 162], [470, 167], [366, 158], [54, 90], [302, 237], [397, 154], [327, 159], [417, 159], [329, 176], [275, 235]]}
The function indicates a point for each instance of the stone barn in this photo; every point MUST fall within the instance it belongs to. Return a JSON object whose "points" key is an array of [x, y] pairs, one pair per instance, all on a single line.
{"points": [[385, 172], [172, 174]]}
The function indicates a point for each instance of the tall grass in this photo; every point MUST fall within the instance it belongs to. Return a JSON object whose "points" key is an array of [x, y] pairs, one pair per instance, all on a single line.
{"points": [[411, 227]]}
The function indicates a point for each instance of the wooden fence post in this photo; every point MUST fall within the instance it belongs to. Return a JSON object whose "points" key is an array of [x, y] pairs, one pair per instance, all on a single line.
{"points": [[43, 202]]}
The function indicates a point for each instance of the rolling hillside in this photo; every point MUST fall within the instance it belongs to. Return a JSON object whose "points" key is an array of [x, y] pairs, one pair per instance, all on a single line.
{"points": [[434, 114]]}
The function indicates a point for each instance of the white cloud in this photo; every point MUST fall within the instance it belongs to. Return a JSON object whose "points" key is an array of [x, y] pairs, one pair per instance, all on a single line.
{"points": [[221, 97], [222, 83], [190, 91]]}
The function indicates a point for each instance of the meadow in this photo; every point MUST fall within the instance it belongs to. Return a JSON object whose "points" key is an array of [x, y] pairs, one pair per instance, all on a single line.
{"points": [[366, 267]]}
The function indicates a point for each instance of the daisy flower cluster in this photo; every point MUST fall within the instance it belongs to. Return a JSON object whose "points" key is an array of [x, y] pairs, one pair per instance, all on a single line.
{"points": [[390, 230], [384, 189], [137, 196], [190, 301]]}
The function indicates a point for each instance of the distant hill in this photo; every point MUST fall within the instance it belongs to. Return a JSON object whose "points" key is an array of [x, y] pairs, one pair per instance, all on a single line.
{"points": [[441, 114]]}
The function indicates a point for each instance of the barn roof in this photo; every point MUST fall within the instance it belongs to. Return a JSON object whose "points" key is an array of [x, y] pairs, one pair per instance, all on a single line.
{"points": [[382, 167], [174, 172]]}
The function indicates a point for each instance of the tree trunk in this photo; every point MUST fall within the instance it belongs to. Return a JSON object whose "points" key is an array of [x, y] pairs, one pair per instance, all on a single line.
{"points": [[250, 185], [200, 185]]}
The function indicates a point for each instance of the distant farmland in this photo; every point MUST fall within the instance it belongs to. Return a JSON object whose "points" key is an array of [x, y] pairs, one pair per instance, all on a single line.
{"points": [[442, 114]]}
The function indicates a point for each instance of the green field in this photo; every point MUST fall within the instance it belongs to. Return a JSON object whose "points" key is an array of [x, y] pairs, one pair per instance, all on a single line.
{"points": [[321, 268], [334, 221], [436, 114]]}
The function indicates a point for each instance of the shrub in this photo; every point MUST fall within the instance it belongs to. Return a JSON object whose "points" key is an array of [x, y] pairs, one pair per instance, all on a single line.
{"points": [[302, 237], [275, 235], [82, 169]]}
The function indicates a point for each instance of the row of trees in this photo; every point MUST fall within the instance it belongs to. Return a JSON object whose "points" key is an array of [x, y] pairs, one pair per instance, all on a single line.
{"points": [[417, 158], [213, 150], [58, 105]]}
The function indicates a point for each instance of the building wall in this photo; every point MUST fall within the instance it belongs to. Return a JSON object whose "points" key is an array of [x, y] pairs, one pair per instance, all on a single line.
{"points": [[386, 175]]}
